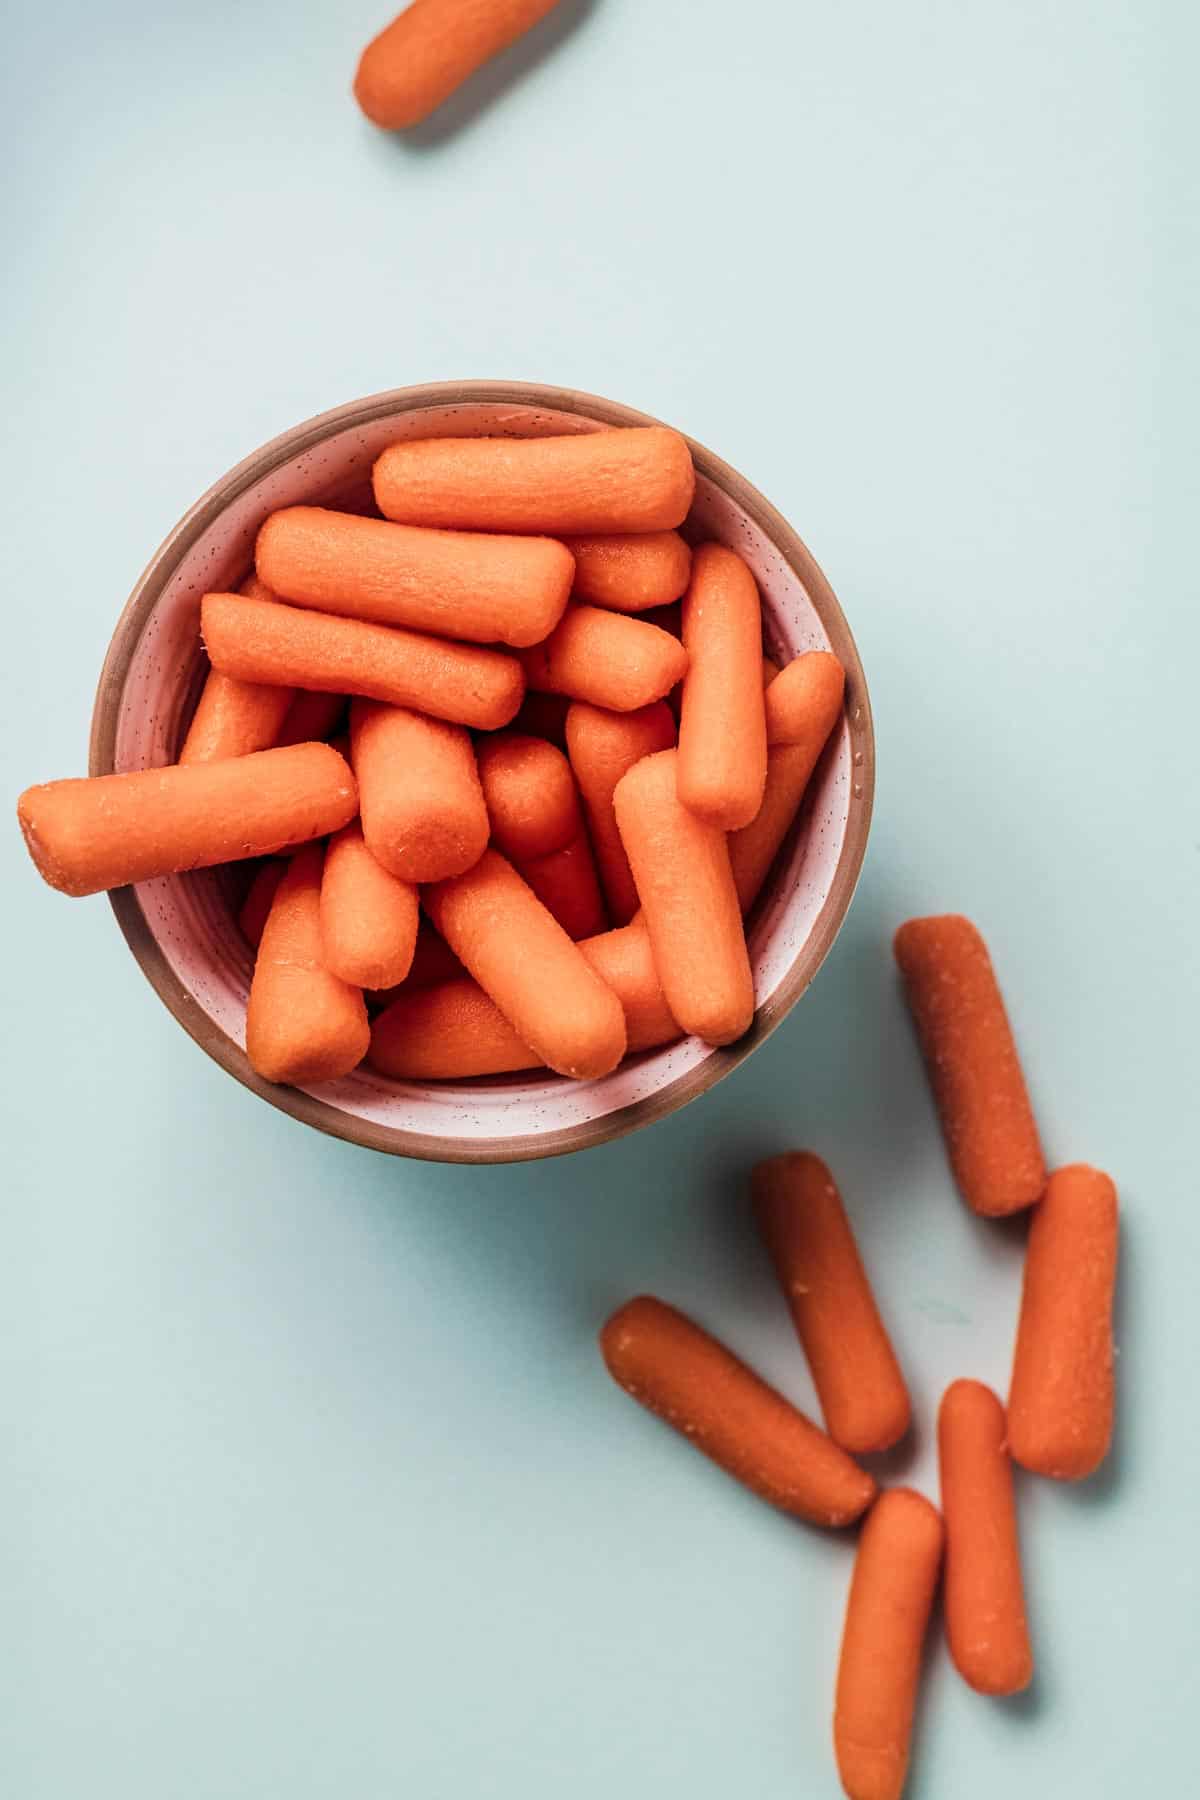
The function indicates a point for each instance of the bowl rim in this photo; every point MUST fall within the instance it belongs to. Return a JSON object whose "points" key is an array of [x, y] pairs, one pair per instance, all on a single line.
{"points": [[687, 1087]]}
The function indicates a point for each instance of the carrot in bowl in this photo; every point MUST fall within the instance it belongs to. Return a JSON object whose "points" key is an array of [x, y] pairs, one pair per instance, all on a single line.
{"points": [[603, 746], [417, 61], [630, 572], [593, 482], [537, 822], [606, 658], [722, 767], [255, 908], [368, 916], [423, 811]]}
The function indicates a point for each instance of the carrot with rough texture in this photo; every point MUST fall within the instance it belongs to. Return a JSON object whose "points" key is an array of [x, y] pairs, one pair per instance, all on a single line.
{"points": [[808, 1236], [418, 61], [232, 717], [537, 822], [590, 484], [1060, 1402], [368, 916], [423, 811], [681, 869], [603, 746], [303, 1025], [801, 696], [105, 831], [433, 962], [566, 883], [676, 1370], [984, 1604], [607, 658], [630, 573], [624, 961], [258, 640], [722, 767], [488, 589], [887, 1616], [522, 957], [255, 908], [971, 1059], [754, 848]]}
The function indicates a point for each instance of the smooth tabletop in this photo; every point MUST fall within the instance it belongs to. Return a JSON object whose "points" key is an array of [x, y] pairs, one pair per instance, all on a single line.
{"points": [[314, 1482]]}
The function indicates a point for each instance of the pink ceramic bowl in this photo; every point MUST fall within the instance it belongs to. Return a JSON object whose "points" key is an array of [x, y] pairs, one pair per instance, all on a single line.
{"points": [[182, 929]]}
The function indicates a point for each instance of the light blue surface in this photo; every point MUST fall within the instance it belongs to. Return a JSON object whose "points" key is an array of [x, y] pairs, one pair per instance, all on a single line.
{"points": [[314, 1483]]}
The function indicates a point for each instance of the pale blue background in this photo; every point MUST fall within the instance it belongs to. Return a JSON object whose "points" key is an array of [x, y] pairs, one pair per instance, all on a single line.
{"points": [[313, 1483]]}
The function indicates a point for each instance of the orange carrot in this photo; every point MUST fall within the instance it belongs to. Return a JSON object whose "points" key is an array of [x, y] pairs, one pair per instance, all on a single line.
{"points": [[433, 962], [804, 1226], [681, 868], [624, 961], [983, 1603], [311, 718], [418, 60], [232, 717], [604, 657], [566, 883], [523, 958], [629, 574], [1060, 1403], [303, 1025], [722, 767], [789, 770], [595, 482], [887, 1615], [544, 716], [368, 917], [254, 910], [802, 698], [603, 746], [971, 1059], [530, 792], [259, 641], [256, 589], [423, 812], [676, 1370], [506, 590], [109, 830]]}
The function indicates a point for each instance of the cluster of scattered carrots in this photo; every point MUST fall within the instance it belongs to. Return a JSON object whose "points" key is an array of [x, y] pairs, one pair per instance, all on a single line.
{"points": [[1059, 1417], [516, 634]]}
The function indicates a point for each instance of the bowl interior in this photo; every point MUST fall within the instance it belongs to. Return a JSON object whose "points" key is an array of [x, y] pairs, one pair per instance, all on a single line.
{"points": [[183, 928]]}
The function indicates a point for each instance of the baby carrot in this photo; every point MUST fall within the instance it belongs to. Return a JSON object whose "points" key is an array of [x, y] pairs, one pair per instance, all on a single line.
{"points": [[681, 868], [630, 573], [592, 483], [260, 641], [523, 958], [602, 747], [887, 1614], [722, 768], [971, 1059], [303, 1025], [613, 661], [433, 962], [625, 963], [252, 914], [1060, 1403], [368, 917], [676, 1370], [423, 812], [506, 590], [234, 718], [804, 1226], [566, 883], [984, 1604], [418, 60], [801, 696], [109, 830], [789, 770], [530, 793]]}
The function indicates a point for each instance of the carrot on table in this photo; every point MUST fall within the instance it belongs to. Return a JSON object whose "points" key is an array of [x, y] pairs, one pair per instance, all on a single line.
{"points": [[754, 848], [457, 584], [681, 869], [259, 640], [983, 1603], [105, 831], [676, 1370], [417, 61], [803, 1223], [722, 768], [368, 915], [522, 957], [423, 811], [303, 1024], [624, 961], [603, 746], [971, 1060], [253, 912], [607, 658], [1060, 1402], [311, 718], [630, 572], [587, 484], [887, 1615]]}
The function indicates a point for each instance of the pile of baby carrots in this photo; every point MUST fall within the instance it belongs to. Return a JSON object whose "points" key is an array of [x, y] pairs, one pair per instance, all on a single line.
{"points": [[1059, 1417], [511, 856]]}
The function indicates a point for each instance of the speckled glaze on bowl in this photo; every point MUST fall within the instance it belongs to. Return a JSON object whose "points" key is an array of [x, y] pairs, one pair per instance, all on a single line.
{"points": [[182, 929]]}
